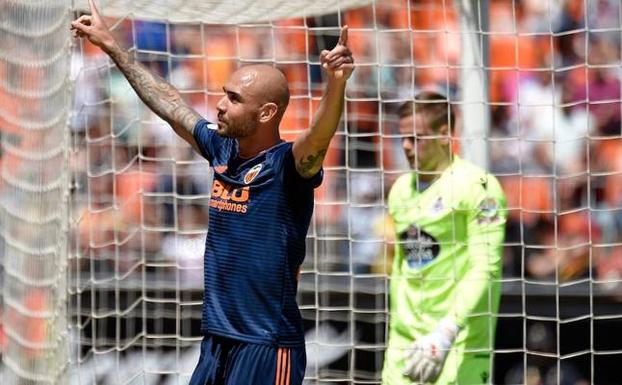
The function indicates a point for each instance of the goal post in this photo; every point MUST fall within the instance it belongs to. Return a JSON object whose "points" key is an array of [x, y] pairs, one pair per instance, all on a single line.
{"points": [[473, 80]]}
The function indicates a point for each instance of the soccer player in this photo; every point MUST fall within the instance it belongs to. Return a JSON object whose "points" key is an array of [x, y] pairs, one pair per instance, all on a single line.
{"points": [[449, 218], [260, 208]]}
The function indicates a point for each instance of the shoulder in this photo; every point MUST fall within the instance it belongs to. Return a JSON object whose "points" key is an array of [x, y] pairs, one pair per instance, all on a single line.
{"points": [[281, 149], [402, 187], [476, 183], [204, 128], [402, 184], [279, 153], [210, 143]]}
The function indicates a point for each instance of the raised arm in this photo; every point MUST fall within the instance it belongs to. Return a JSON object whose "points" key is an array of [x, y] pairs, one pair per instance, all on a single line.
{"points": [[160, 96], [310, 146]]}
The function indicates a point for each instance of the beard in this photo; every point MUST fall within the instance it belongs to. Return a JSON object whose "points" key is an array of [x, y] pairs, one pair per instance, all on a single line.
{"points": [[238, 129]]}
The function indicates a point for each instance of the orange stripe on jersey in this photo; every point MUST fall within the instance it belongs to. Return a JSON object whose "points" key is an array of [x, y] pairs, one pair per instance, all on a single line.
{"points": [[279, 362], [288, 366]]}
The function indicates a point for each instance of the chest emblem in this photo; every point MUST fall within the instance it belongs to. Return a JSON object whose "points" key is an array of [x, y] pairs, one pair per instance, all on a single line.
{"points": [[438, 206], [252, 173], [420, 247]]}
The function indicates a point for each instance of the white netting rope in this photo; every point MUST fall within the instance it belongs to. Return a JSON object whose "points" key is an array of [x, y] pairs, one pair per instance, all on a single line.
{"points": [[219, 12], [34, 57], [141, 197]]}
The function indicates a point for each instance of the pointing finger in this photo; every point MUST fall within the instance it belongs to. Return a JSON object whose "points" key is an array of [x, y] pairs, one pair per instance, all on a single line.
{"points": [[343, 37], [93, 7]]}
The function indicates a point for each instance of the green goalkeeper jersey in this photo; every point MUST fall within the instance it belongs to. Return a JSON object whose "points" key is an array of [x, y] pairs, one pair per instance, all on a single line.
{"points": [[448, 251]]}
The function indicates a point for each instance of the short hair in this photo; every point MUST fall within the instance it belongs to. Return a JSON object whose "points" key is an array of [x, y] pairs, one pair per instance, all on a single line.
{"points": [[435, 107]]}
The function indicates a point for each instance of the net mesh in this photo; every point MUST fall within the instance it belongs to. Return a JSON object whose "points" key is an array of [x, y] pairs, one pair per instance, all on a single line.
{"points": [[140, 196], [34, 110], [220, 12]]}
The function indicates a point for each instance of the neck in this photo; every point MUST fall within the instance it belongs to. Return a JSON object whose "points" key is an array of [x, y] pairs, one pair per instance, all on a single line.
{"points": [[434, 172], [252, 145]]}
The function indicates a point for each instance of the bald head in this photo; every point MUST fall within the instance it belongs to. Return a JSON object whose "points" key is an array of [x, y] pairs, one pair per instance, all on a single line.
{"points": [[254, 103], [264, 84]]}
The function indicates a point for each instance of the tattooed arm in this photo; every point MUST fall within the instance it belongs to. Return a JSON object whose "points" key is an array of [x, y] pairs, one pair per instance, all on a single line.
{"points": [[310, 147], [161, 97]]}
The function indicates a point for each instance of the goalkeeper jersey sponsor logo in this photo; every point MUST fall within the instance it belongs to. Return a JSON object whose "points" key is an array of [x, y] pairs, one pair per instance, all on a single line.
{"points": [[420, 248]]}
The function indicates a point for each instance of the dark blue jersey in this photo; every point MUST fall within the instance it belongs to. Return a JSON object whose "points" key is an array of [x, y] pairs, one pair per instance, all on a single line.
{"points": [[259, 215]]}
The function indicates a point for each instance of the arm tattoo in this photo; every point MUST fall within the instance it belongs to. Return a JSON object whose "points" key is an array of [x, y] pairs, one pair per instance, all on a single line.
{"points": [[160, 96], [312, 164]]}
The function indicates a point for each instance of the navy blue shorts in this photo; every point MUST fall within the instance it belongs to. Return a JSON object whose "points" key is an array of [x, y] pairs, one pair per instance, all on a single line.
{"points": [[224, 361]]}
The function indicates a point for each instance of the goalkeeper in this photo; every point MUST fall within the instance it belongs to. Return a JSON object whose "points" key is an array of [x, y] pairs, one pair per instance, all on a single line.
{"points": [[260, 208], [449, 218]]}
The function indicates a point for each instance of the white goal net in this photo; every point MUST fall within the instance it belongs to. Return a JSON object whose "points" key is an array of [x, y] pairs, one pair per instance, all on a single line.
{"points": [[104, 210], [35, 97]]}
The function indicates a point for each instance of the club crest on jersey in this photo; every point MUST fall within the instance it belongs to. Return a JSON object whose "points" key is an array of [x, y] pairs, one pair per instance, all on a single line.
{"points": [[252, 173], [438, 206], [488, 211]]}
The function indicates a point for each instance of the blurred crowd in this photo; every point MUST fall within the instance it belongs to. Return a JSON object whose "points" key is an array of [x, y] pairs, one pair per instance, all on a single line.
{"points": [[554, 142], [555, 139]]}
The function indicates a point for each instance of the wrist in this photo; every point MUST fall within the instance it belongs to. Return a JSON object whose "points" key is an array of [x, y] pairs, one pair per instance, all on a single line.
{"points": [[449, 328], [337, 83], [110, 46]]}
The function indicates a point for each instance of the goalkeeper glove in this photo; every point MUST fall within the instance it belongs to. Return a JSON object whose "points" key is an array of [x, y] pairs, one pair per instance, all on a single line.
{"points": [[425, 360]]}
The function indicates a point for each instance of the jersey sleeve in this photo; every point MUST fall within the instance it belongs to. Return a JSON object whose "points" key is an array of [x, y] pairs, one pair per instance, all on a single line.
{"points": [[398, 190], [393, 206], [205, 138], [481, 280], [294, 178]]}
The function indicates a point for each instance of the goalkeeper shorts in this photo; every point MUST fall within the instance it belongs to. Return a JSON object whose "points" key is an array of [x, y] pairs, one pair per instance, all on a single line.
{"points": [[225, 361]]}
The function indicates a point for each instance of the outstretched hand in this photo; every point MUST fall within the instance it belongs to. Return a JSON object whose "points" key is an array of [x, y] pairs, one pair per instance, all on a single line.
{"points": [[338, 62], [93, 28]]}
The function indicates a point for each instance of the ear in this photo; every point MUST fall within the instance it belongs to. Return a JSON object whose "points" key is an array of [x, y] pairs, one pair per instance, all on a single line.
{"points": [[444, 132], [267, 112]]}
